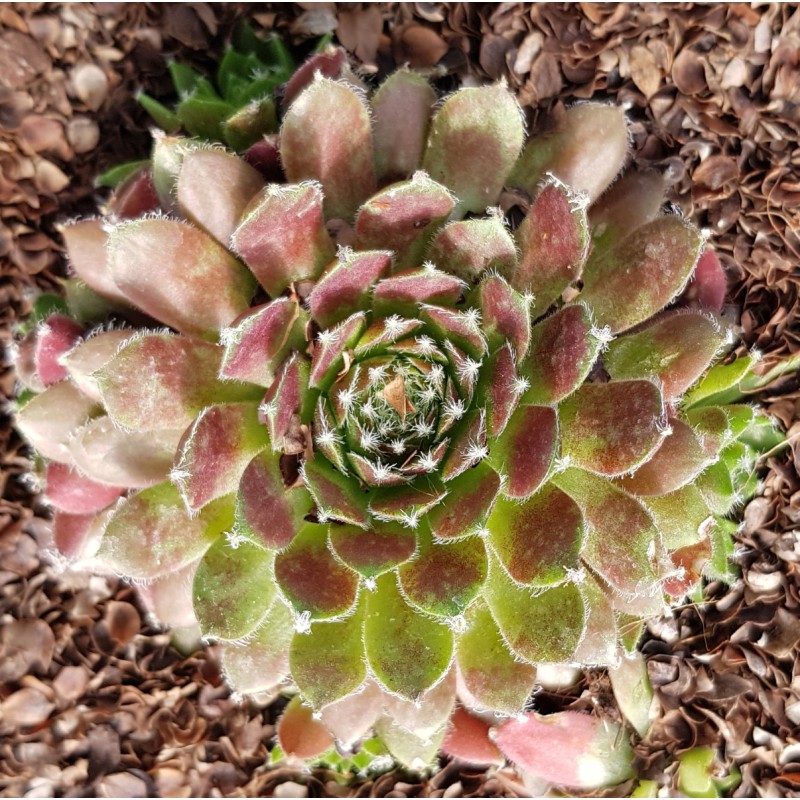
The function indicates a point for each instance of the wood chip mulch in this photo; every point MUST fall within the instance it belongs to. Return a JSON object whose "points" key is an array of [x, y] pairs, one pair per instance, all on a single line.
{"points": [[93, 700]]}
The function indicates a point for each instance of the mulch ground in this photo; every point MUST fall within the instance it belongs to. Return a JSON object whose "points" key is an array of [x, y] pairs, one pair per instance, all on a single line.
{"points": [[93, 700]]}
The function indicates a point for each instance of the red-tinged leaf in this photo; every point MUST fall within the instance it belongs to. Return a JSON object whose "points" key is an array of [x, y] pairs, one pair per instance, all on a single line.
{"points": [[553, 241], [135, 196], [352, 718], [374, 472], [328, 660], [401, 110], [373, 551], [286, 407], [406, 504], [633, 200], [179, 275], [586, 152], [708, 286], [563, 350], [682, 516], [621, 539], [346, 285], [233, 589], [635, 278], [408, 651], [169, 598], [86, 249], [500, 389], [427, 714], [329, 350], [214, 188], [261, 663], [537, 541], [282, 236], [135, 459], [91, 355], [265, 156], [474, 140], [469, 501], [505, 315], [567, 748], [215, 450], [459, 327], [405, 292], [472, 247], [55, 337], [329, 63], [161, 381], [337, 496], [49, 419], [257, 343], [168, 153], [690, 562], [151, 533], [68, 490], [675, 349], [311, 579], [467, 739], [600, 646], [525, 451], [326, 136], [491, 677], [444, 578], [539, 626], [300, 734], [679, 460], [612, 428], [468, 445], [403, 217], [383, 332], [78, 536], [266, 511]]}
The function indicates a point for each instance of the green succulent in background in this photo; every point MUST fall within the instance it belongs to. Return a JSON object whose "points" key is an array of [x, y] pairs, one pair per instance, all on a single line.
{"points": [[394, 454]]}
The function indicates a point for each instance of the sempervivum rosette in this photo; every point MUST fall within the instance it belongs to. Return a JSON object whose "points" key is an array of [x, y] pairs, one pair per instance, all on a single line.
{"points": [[388, 450]]}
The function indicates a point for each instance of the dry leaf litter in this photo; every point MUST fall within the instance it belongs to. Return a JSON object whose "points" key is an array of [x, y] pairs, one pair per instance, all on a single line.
{"points": [[93, 700]]}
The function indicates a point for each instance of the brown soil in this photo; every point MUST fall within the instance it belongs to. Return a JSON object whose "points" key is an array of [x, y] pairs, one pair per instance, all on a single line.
{"points": [[93, 700]]}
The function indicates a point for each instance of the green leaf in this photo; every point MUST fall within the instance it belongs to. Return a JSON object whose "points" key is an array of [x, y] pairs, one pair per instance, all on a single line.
{"points": [[167, 120], [184, 78], [114, 176], [720, 385]]}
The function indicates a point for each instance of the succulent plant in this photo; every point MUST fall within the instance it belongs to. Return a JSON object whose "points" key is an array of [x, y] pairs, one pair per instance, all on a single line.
{"points": [[390, 450]]}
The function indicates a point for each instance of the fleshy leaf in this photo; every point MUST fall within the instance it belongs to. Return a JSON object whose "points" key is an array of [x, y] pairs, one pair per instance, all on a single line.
{"points": [[282, 236], [493, 677], [468, 445], [266, 511], [49, 419], [444, 578], [78, 536], [373, 551], [675, 349], [311, 579], [233, 588], [709, 284], [471, 247], [401, 109], [169, 597], [55, 337], [563, 349], [553, 241], [717, 489], [262, 662], [621, 539], [179, 275], [567, 748], [406, 504], [682, 517], [474, 141], [67, 490], [402, 218], [505, 314], [214, 188], [151, 534], [712, 427], [600, 645], [637, 277], [525, 451], [90, 356], [329, 63], [346, 285], [720, 385], [405, 292], [416, 752], [408, 652], [679, 460], [585, 152], [467, 739], [215, 450], [257, 343], [426, 715], [337, 496], [326, 136], [539, 627], [351, 718], [300, 734], [500, 389], [329, 350], [176, 378], [328, 661], [612, 428], [470, 498], [287, 406], [539, 540]]}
